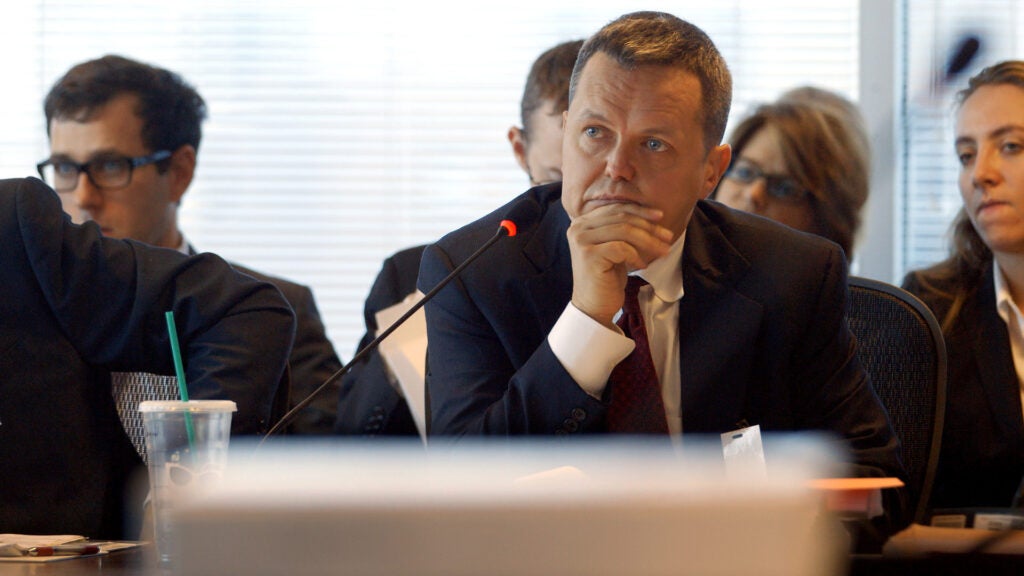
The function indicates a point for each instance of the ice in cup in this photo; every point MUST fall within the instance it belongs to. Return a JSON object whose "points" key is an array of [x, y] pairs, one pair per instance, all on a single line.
{"points": [[187, 444]]}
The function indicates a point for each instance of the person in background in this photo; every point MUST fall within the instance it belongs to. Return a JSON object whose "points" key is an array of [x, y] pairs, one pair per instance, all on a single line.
{"points": [[77, 306], [124, 144], [804, 161], [370, 402], [977, 294]]}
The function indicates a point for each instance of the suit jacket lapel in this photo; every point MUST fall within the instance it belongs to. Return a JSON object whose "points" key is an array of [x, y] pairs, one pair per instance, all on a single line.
{"points": [[546, 250], [718, 328], [995, 360]]}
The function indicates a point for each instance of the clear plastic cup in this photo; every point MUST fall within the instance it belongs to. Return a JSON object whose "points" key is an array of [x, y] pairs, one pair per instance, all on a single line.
{"points": [[187, 444]]}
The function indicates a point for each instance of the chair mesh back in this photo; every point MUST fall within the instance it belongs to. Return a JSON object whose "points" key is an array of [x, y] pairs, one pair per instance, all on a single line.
{"points": [[131, 388], [902, 351]]}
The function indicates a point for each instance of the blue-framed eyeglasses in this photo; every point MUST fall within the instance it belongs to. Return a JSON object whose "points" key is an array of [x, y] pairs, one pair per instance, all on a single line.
{"points": [[105, 172]]}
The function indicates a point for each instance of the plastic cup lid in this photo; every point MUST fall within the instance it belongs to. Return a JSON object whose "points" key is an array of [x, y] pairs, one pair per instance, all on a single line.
{"points": [[190, 406]]}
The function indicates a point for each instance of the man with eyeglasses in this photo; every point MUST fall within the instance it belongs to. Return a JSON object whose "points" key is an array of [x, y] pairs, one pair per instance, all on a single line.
{"points": [[74, 306], [124, 138]]}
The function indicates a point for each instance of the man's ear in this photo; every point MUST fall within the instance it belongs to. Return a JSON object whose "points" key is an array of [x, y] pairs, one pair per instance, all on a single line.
{"points": [[715, 165], [518, 142], [181, 171]]}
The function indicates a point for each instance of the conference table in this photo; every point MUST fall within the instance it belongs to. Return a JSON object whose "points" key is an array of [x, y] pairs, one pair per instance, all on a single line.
{"points": [[140, 562]]}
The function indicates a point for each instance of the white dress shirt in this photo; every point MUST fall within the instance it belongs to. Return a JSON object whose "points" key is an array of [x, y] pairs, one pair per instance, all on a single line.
{"points": [[1010, 314], [589, 351]]}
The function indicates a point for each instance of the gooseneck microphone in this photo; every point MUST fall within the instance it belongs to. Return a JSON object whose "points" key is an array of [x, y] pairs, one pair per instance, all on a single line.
{"points": [[966, 50], [507, 227]]}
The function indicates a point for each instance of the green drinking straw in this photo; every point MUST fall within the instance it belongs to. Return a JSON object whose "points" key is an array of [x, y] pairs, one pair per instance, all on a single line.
{"points": [[179, 369]]}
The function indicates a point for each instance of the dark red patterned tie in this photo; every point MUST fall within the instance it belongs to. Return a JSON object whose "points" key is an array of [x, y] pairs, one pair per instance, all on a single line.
{"points": [[636, 406]]}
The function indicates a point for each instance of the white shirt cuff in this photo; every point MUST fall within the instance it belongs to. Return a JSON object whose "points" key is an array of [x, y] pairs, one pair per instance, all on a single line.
{"points": [[587, 349]]}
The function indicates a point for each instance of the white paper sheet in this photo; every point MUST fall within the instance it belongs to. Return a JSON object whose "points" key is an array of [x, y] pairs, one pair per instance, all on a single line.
{"points": [[405, 353]]}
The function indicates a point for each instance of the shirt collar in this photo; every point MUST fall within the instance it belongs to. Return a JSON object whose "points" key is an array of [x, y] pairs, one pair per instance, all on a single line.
{"points": [[1004, 303], [665, 275]]}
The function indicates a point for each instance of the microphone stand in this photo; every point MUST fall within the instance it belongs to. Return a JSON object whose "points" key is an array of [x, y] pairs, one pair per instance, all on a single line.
{"points": [[506, 228]]}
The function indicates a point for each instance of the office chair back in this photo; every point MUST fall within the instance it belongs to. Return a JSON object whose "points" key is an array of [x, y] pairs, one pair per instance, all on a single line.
{"points": [[901, 347], [132, 388]]}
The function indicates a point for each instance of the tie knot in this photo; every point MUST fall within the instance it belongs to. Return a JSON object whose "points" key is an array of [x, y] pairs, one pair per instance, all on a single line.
{"points": [[631, 306], [633, 285]]}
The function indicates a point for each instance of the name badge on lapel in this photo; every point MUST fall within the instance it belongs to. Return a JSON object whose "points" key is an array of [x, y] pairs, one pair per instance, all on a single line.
{"points": [[744, 454]]}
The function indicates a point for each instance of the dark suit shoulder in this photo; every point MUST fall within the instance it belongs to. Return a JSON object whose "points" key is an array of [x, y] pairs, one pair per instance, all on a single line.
{"points": [[759, 257], [529, 211], [939, 286], [396, 280], [408, 257], [294, 292], [754, 234]]}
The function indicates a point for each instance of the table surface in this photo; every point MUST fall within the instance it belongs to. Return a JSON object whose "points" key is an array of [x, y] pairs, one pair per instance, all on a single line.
{"points": [[137, 561], [140, 562]]}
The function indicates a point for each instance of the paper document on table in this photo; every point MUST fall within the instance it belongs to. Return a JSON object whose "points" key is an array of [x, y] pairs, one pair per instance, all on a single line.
{"points": [[405, 353], [16, 547], [54, 547], [13, 542]]}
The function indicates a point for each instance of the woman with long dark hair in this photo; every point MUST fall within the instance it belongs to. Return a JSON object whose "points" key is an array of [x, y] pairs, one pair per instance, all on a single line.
{"points": [[977, 295]]}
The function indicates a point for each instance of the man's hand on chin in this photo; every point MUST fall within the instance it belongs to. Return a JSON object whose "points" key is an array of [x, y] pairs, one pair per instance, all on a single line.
{"points": [[607, 243]]}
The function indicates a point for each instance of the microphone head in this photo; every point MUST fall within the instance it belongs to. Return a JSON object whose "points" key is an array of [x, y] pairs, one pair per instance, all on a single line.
{"points": [[966, 51], [509, 226]]}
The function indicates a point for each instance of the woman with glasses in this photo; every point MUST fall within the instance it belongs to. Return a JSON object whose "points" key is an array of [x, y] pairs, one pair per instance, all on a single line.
{"points": [[977, 294], [802, 161]]}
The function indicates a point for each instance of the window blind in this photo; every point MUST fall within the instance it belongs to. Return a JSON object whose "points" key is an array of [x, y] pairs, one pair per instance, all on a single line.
{"points": [[339, 134], [934, 30]]}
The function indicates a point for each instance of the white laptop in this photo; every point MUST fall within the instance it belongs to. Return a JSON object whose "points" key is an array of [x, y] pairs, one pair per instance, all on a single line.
{"points": [[590, 508]]}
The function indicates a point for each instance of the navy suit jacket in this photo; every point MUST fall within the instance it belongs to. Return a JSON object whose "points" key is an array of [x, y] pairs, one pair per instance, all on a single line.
{"points": [[762, 333], [75, 306], [982, 458]]}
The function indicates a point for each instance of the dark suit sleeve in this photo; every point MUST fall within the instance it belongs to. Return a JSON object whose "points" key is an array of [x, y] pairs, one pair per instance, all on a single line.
{"points": [[368, 403], [109, 298], [312, 361], [480, 382], [838, 395]]}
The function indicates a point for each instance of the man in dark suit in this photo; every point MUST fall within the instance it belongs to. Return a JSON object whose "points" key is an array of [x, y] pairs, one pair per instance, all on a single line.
{"points": [[370, 403], [745, 317], [76, 306], [124, 139]]}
